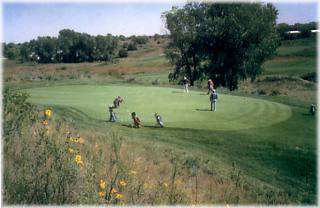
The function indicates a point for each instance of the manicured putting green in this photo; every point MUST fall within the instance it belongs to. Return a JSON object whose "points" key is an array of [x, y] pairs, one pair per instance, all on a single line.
{"points": [[178, 109]]}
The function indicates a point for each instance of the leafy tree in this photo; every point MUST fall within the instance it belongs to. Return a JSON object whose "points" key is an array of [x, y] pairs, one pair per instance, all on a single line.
{"points": [[132, 46], [105, 47], [225, 42], [67, 41], [156, 36], [69, 47], [27, 52], [85, 48], [79, 47], [139, 39], [11, 51], [305, 30], [45, 48], [122, 37], [184, 48], [282, 29]]}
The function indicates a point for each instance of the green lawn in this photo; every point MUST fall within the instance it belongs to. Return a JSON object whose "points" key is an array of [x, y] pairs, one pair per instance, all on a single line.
{"points": [[179, 110], [272, 143]]}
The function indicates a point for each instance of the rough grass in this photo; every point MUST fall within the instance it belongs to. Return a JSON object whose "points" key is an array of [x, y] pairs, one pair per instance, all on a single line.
{"points": [[294, 66], [295, 58], [302, 47]]}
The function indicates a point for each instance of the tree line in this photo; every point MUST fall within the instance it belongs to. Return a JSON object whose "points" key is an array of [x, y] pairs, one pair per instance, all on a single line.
{"points": [[304, 29], [72, 47], [221, 41]]}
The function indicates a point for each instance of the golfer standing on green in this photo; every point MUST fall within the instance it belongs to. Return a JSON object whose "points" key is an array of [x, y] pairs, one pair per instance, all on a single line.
{"points": [[213, 98], [185, 82]]}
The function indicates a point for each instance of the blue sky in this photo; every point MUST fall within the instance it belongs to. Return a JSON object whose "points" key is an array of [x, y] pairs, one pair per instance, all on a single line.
{"points": [[26, 21]]}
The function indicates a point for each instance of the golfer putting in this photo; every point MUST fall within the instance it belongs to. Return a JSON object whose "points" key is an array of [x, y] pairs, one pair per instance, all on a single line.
{"points": [[117, 101], [159, 120], [213, 99], [136, 121], [113, 117]]}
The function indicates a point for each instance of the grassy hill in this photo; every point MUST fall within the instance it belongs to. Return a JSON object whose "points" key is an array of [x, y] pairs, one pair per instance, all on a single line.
{"points": [[259, 147], [294, 58]]}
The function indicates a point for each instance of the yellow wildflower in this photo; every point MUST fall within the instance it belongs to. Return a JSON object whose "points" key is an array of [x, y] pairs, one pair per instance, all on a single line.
{"points": [[113, 191], [102, 184], [76, 140], [122, 183], [119, 196], [78, 160], [48, 112], [45, 122], [70, 150], [102, 194], [165, 185]]}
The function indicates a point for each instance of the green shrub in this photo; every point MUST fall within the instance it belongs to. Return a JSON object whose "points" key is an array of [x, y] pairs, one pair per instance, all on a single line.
{"points": [[123, 53], [63, 68], [155, 82], [275, 92], [310, 76], [132, 46], [131, 80], [139, 39]]}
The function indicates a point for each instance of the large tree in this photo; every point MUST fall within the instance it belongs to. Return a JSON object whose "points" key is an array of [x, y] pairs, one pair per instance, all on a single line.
{"points": [[225, 42], [46, 49], [11, 51], [183, 49]]}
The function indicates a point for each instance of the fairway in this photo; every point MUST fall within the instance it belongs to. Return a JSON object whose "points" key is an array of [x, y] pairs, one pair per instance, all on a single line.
{"points": [[178, 109]]}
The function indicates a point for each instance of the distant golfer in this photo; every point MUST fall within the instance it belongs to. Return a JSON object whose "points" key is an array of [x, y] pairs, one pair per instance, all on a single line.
{"points": [[312, 109], [213, 99], [136, 120], [117, 101], [159, 120], [210, 85], [113, 117], [185, 82]]}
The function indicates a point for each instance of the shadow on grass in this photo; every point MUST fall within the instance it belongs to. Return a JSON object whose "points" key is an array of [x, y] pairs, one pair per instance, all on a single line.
{"points": [[308, 115], [203, 109], [146, 126]]}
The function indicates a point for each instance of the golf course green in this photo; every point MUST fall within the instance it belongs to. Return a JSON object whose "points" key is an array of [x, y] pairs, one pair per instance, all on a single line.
{"points": [[178, 109]]}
